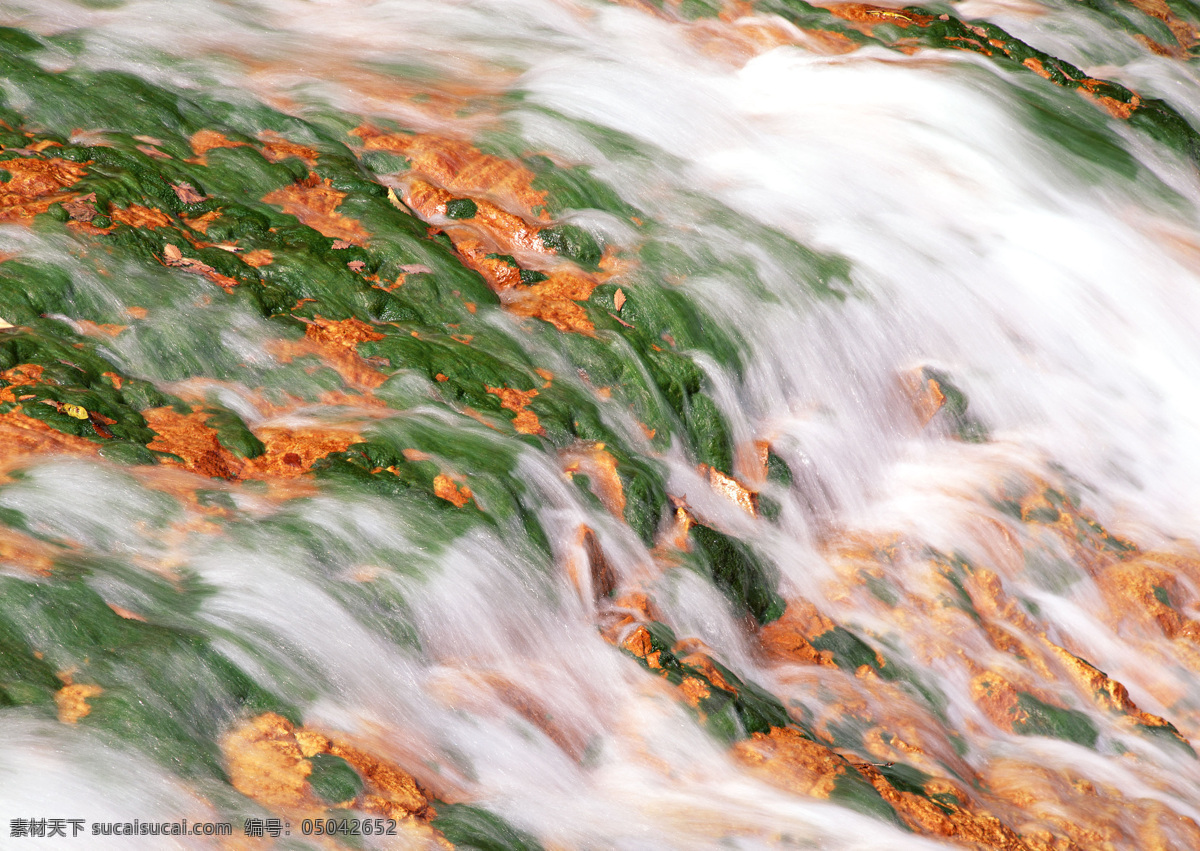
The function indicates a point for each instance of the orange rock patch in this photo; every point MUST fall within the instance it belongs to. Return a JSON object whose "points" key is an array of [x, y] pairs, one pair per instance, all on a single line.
{"points": [[137, 216], [276, 149], [314, 202], [204, 141], [444, 487], [462, 168], [526, 421], [72, 703], [786, 759], [35, 184], [268, 757], [595, 462]]}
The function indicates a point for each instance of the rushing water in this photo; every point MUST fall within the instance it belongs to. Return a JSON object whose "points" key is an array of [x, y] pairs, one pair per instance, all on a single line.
{"points": [[931, 314]]}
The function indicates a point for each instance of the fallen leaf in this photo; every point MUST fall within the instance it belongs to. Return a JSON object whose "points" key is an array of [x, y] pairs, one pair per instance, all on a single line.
{"points": [[153, 152], [187, 194], [82, 209], [618, 299], [77, 411], [99, 426]]}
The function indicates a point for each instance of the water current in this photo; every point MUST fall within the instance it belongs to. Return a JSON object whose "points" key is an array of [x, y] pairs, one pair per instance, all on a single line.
{"points": [[558, 424]]}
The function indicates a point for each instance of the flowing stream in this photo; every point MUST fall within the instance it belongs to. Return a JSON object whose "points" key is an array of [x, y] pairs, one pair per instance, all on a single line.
{"points": [[577, 425]]}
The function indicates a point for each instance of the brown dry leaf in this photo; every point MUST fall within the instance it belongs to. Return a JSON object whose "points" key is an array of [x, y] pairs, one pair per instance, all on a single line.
{"points": [[618, 299], [187, 194], [314, 202], [82, 209], [526, 422], [172, 256]]}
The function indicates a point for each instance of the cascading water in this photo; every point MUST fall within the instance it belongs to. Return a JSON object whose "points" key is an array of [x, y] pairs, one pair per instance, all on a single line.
{"points": [[578, 425]]}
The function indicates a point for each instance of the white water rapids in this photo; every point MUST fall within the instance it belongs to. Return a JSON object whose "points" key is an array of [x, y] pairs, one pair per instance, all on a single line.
{"points": [[1061, 292]]}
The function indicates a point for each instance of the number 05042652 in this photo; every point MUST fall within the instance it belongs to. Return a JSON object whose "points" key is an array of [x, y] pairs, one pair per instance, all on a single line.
{"points": [[348, 827]]}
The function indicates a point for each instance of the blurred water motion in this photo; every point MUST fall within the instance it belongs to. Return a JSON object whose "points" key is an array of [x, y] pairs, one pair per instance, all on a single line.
{"points": [[583, 425]]}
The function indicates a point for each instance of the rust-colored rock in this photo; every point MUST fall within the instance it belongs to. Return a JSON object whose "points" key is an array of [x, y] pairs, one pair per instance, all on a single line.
{"points": [[137, 216], [594, 461], [789, 637], [526, 421], [35, 184], [314, 202], [276, 149], [445, 487], [72, 699], [462, 169], [204, 141], [188, 437], [267, 758], [787, 759]]}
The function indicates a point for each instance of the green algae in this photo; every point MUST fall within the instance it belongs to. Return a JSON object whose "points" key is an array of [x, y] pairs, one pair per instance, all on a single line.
{"points": [[475, 828], [333, 779], [165, 690], [461, 208], [730, 712], [1044, 719], [736, 570]]}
